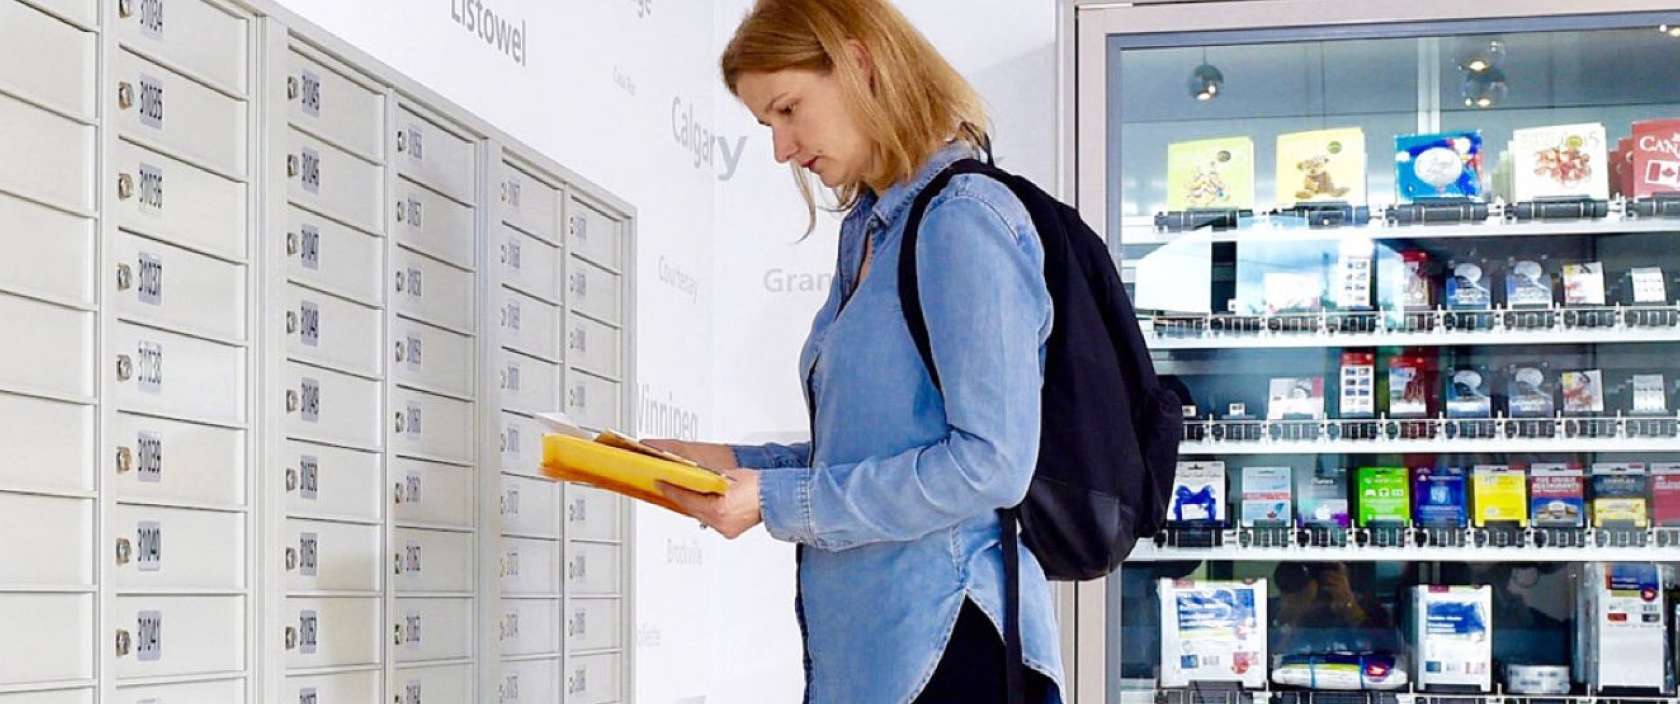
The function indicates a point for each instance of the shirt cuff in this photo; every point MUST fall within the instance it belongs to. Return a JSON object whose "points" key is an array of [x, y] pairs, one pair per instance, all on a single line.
{"points": [[784, 504], [752, 457]]}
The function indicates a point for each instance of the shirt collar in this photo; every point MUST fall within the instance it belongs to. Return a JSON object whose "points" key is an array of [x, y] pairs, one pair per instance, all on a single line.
{"points": [[888, 205]]}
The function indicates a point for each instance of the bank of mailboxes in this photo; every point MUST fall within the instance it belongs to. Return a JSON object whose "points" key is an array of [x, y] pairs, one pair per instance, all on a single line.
{"points": [[285, 327]]}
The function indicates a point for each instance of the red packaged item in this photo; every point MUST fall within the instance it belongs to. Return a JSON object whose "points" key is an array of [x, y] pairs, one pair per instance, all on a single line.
{"points": [[1408, 387], [1656, 158], [1621, 168], [1665, 494]]}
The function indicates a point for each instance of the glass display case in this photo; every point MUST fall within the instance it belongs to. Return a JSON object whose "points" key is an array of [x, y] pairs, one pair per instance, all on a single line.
{"points": [[1415, 272]]}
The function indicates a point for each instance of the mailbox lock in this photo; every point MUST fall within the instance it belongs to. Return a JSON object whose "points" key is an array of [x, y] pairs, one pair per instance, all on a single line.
{"points": [[125, 95], [125, 460], [125, 367], [124, 551]]}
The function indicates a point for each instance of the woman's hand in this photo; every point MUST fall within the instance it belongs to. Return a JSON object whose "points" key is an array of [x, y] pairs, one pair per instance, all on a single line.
{"points": [[731, 513], [708, 455]]}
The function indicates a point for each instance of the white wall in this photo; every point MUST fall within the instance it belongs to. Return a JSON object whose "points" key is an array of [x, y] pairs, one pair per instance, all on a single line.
{"points": [[626, 93]]}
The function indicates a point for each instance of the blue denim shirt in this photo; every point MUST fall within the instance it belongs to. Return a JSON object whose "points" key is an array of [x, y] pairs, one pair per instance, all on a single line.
{"points": [[896, 510]]}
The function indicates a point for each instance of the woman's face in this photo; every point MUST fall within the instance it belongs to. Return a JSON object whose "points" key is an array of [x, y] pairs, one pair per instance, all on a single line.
{"points": [[809, 123]]}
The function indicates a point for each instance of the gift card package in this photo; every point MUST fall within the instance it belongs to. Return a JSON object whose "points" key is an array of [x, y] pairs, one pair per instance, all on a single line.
{"points": [[1359, 385], [1583, 284], [1500, 495], [1656, 158], [1438, 165], [1267, 496], [1324, 498], [1557, 496], [1647, 286], [1198, 497], [1408, 387], [1650, 395], [1468, 394], [1321, 166], [1296, 398], [1468, 287], [1355, 274], [1384, 496], [1528, 284], [1583, 392], [1530, 394], [1665, 494], [1211, 174], [1619, 491], [1562, 161], [1213, 631], [1625, 631], [1439, 498], [1453, 633]]}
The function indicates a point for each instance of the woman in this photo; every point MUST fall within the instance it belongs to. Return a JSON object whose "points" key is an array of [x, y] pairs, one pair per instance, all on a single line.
{"points": [[893, 504]]}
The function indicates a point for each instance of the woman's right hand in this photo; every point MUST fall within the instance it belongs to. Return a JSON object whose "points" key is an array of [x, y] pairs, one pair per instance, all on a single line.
{"points": [[707, 454]]}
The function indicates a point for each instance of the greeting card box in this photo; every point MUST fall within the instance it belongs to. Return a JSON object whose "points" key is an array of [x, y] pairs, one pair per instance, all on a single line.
{"points": [[1267, 495], [1296, 398], [1453, 630], [1583, 284], [1665, 493], [1469, 393], [1321, 166], [1210, 173], [1557, 496], [1198, 496], [1583, 392], [1500, 495], [1213, 631], [1324, 499], [1439, 498], [1561, 161], [1408, 387], [1438, 165], [1530, 394], [1656, 158], [1385, 496], [1619, 491], [1359, 385]]}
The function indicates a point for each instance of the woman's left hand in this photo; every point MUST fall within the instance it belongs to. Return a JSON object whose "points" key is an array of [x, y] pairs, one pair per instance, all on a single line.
{"points": [[731, 513]]}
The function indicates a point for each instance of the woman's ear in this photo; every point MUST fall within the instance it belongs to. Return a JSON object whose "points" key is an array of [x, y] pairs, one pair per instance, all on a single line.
{"points": [[859, 55]]}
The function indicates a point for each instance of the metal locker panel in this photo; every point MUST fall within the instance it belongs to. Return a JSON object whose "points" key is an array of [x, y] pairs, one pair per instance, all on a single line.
{"points": [[162, 373], [333, 632], [528, 384], [341, 688], [593, 235], [166, 286], [61, 69], [49, 541], [435, 156], [60, 245], [199, 39], [431, 494], [202, 210], [432, 685], [593, 569], [529, 567], [179, 116], [322, 556], [168, 461], [594, 624], [528, 325], [328, 256], [49, 444], [529, 682], [593, 291], [331, 482], [530, 507], [432, 427], [172, 548], [169, 636], [529, 203], [528, 264], [222, 692], [59, 357], [432, 629], [594, 347], [330, 407], [521, 445], [528, 627], [332, 182], [592, 402], [594, 679], [81, 12], [432, 291], [431, 560], [433, 224], [59, 696], [331, 332], [331, 105], [58, 153], [58, 644], [431, 358], [592, 514]]}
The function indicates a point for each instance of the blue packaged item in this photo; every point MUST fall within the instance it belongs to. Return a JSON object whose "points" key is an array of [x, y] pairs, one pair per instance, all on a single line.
{"points": [[1438, 165], [1440, 498]]}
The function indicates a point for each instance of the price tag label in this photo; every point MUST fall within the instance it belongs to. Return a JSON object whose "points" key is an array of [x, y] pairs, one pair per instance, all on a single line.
{"points": [[149, 534], [150, 466], [151, 102]]}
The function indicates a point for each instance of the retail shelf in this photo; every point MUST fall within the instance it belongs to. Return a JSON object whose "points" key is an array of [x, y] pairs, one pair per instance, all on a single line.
{"points": [[1141, 231], [1144, 691], [1431, 436], [1235, 551], [1443, 338]]}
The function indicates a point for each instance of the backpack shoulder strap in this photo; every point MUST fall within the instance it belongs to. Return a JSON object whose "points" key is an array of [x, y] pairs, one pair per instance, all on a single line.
{"points": [[909, 294]]}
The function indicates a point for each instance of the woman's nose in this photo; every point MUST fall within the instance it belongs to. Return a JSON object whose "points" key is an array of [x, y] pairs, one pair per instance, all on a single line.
{"points": [[785, 146]]}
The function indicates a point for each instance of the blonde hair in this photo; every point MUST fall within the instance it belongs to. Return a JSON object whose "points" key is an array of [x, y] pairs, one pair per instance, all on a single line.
{"points": [[909, 108]]}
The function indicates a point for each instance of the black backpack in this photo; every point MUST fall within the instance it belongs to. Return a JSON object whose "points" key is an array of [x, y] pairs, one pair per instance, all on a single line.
{"points": [[1109, 443]]}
